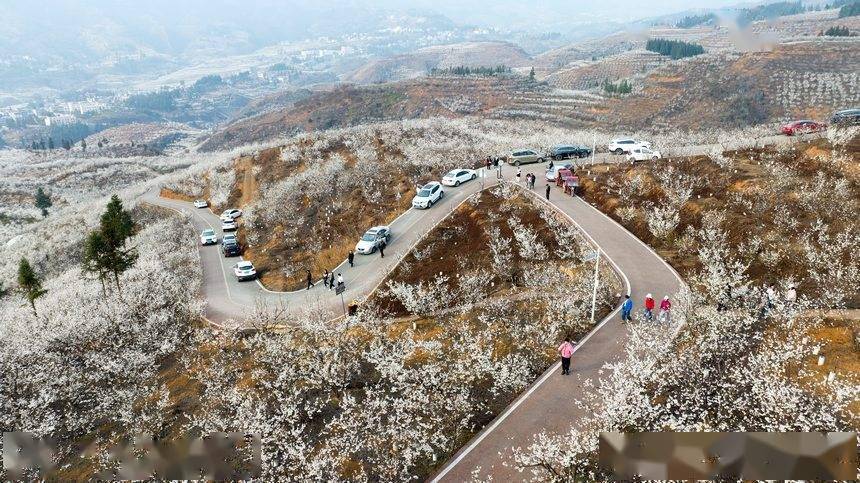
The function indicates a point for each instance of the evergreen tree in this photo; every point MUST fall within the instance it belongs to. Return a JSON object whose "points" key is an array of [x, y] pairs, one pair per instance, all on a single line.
{"points": [[105, 250], [43, 201], [29, 283], [50, 143], [532, 74], [84, 145]]}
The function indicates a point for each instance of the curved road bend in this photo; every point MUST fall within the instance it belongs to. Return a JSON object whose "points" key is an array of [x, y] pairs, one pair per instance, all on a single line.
{"points": [[229, 302], [547, 404]]}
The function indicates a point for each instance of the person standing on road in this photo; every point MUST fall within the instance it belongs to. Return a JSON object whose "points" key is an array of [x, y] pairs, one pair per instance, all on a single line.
{"points": [[498, 168], [519, 174], [665, 307], [339, 280], [331, 281], [566, 351], [351, 258], [382, 249], [489, 163], [649, 307], [547, 191], [626, 308], [310, 279]]}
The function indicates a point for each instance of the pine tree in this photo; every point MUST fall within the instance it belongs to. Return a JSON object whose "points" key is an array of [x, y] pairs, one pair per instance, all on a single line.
{"points": [[105, 250], [29, 283], [84, 145], [43, 201], [532, 74]]}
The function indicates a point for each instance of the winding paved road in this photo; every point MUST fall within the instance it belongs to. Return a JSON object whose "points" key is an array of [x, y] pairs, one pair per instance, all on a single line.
{"points": [[229, 302], [547, 404]]}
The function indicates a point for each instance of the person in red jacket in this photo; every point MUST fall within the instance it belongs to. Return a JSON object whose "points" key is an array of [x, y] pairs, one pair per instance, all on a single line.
{"points": [[665, 307], [649, 307]]}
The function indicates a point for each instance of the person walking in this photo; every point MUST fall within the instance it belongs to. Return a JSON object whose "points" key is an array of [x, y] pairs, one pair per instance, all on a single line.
{"points": [[310, 279], [566, 351], [551, 165], [519, 174], [325, 277], [489, 163], [626, 308], [791, 295], [665, 307], [498, 168], [351, 258], [339, 280], [382, 246], [649, 307], [547, 191], [331, 281]]}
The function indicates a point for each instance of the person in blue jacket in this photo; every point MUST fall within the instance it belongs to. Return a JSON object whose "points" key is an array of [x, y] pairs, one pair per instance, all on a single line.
{"points": [[626, 308]]}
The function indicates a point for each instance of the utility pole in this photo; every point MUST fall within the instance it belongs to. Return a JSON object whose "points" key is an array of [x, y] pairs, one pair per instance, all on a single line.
{"points": [[593, 149], [596, 280]]}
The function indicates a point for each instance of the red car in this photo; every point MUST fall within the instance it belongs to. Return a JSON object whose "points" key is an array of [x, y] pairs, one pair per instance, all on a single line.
{"points": [[802, 127]]}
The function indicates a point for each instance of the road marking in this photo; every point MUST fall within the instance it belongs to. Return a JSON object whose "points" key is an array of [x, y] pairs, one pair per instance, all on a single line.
{"points": [[549, 372]]}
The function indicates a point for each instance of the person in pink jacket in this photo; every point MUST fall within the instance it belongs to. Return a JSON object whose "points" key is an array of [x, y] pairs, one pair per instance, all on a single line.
{"points": [[566, 351], [665, 307]]}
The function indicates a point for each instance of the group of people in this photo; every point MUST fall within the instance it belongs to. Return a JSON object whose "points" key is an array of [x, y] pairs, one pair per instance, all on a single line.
{"points": [[329, 278], [648, 313], [494, 162], [530, 178]]}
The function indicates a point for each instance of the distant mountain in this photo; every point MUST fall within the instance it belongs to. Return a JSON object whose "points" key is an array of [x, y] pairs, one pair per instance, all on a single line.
{"points": [[421, 61]]}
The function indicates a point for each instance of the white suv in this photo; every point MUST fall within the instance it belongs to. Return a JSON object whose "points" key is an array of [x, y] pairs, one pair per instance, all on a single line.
{"points": [[643, 154], [427, 195], [244, 270], [626, 145]]}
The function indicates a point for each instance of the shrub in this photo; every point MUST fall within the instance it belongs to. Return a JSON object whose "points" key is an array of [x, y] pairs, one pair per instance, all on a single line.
{"points": [[677, 49]]}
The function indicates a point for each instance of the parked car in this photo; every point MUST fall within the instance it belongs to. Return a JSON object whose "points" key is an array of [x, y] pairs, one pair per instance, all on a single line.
{"points": [[245, 270], [201, 204], [427, 195], [228, 225], [552, 173], [231, 248], [625, 145], [372, 238], [457, 176], [208, 237], [847, 117], [525, 156], [231, 214], [229, 237], [643, 154], [802, 127], [567, 151]]}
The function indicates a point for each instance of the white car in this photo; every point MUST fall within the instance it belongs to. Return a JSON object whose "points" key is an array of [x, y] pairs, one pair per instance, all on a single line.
{"points": [[457, 176], [201, 204], [372, 238], [229, 238], [427, 195], [228, 225], [245, 270], [643, 154], [208, 237], [231, 214], [626, 145]]}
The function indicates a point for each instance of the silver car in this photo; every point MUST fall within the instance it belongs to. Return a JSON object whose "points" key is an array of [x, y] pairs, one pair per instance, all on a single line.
{"points": [[525, 156]]}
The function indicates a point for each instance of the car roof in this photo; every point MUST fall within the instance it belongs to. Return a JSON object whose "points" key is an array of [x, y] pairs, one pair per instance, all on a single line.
{"points": [[245, 263], [431, 184], [208, 230]]}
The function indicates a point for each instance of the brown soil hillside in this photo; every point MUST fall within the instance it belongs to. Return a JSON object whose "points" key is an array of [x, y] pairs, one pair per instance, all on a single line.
{"points": [[805, 79], [350, 105]]}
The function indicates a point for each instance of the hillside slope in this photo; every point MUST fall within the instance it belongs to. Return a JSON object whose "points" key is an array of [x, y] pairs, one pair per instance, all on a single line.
{"points": [[418, 63]]}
